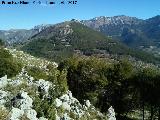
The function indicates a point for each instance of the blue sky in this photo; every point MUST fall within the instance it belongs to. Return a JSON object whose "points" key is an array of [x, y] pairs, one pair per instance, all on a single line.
{"points": [[27, 16]]}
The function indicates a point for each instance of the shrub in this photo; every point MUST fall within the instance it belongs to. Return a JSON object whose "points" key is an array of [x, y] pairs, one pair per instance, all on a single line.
{"points": [[37, 73], [86, 77], [8, 66]]}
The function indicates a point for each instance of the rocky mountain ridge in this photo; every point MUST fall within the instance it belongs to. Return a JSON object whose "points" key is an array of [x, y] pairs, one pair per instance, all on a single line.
{"points": [[98, 22], [134, 32]]}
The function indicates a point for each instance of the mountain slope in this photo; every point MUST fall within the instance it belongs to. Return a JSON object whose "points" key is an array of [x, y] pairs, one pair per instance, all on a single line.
{"points": [[40, 92], [63, 40]]}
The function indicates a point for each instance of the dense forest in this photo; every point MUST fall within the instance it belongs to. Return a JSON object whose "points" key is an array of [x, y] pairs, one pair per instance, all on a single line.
{"points": [[122, 84]]}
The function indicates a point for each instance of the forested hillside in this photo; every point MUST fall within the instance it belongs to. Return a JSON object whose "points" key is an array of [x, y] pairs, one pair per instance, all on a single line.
{"points": [[65, 39]]}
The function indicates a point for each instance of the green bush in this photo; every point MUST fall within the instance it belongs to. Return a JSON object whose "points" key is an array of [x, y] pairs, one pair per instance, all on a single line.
{"points": [[37, 73], [44, 108], [8, 66]]}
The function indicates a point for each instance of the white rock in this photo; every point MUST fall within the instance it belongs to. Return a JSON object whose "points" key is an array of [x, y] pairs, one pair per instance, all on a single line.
{"points": [[44, 85], [42, 118], [66, 106], [31, 114], [78, 111], [3, 94], [58, 102], [74, 100], [111, 113], [26, 102], [57, 117], [3, 81], [88, 104], [70, 94], [16, 114], [70, 103], [55, 64], [31, 78], [66, 117], [65, 97]]}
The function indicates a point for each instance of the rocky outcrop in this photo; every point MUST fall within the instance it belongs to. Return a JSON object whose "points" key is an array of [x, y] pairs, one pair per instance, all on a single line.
{"points": [[66, 30], [43, 86], [22, 105], [111, 114], [69, 103]]}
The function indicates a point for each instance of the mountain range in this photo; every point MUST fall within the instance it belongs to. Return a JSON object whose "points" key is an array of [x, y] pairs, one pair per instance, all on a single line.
{"points": [[102, 35], [20, 35], [129, 29], [134, 32]]}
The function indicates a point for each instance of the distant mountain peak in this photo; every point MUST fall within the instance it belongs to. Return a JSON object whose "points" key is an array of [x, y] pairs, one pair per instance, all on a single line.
{"points": [[101, 21], [41, 27]]}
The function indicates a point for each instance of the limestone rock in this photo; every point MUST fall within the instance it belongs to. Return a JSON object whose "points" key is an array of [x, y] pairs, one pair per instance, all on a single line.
{"points": [[42, 118], [3, 94], [3, 81], [111, 113], [66, 117], [16, 113], [43, 85], [58, 102], [23, 104], [31, 114], [88, 104]]}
